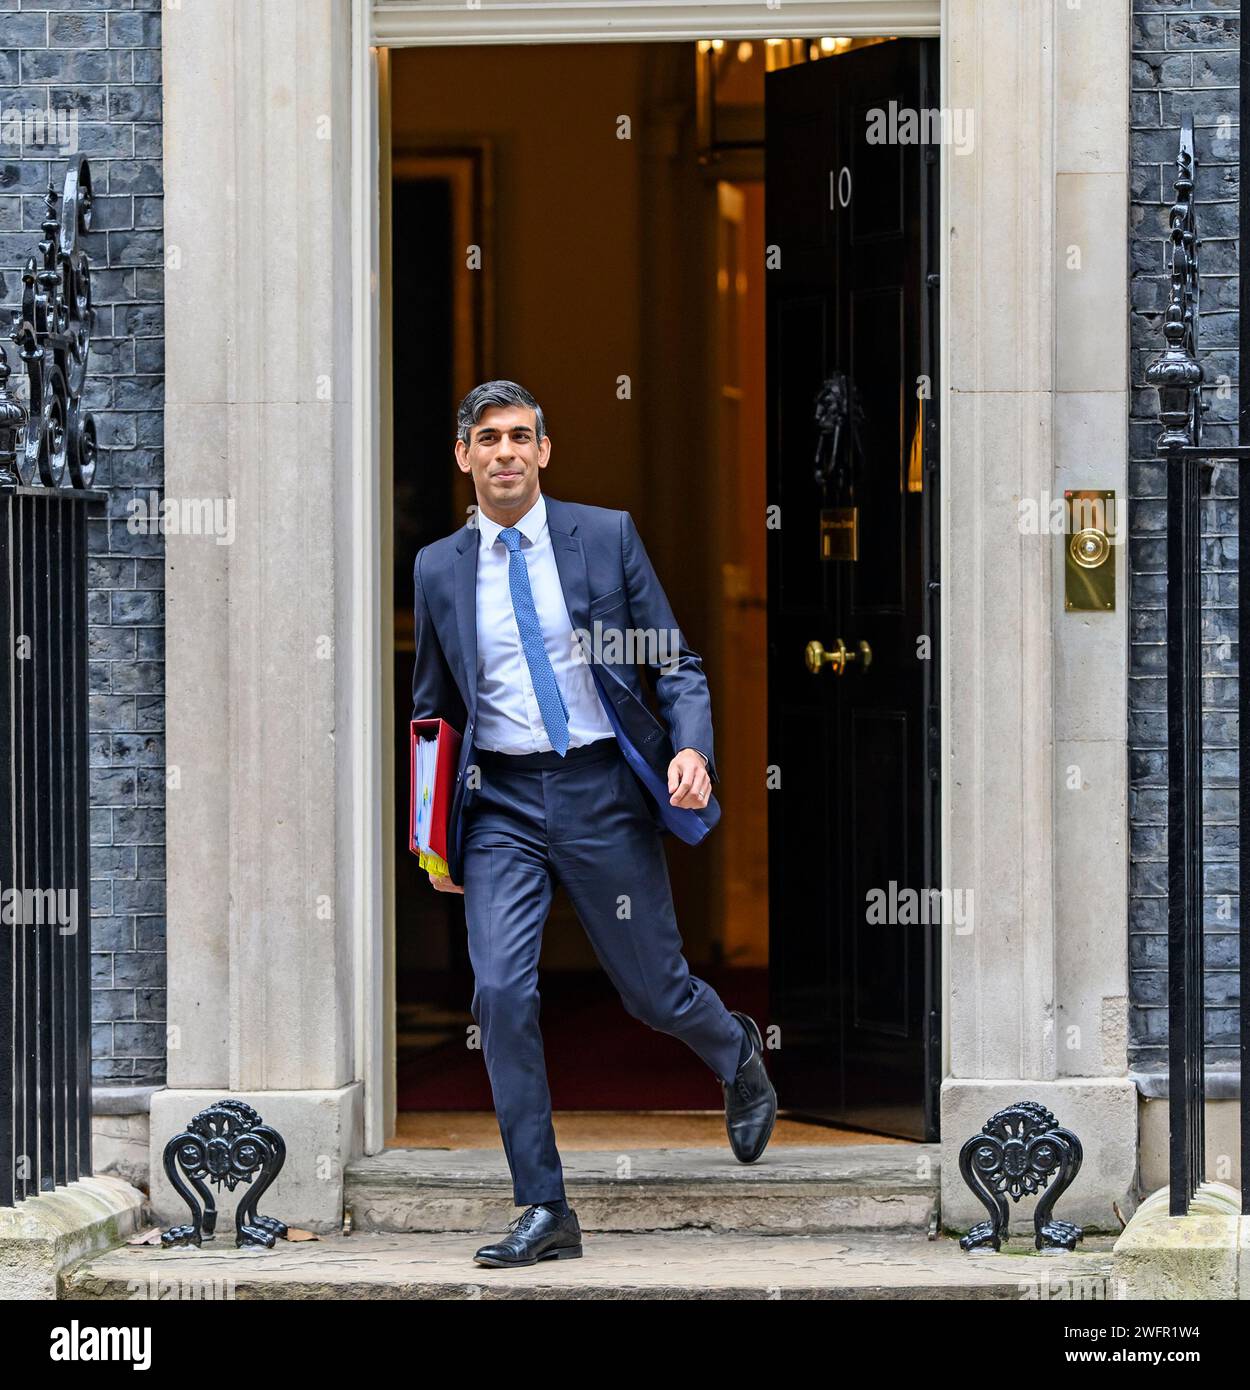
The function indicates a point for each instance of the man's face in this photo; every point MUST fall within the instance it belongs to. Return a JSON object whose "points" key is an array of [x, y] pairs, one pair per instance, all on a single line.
{"points": [[504, 456]]}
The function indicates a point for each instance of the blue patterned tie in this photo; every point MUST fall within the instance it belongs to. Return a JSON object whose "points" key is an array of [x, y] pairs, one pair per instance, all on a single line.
{"points": [[551, 704]]}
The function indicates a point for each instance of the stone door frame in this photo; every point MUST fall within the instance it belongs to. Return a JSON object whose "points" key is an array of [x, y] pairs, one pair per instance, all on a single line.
{"points": [[280, 942]]}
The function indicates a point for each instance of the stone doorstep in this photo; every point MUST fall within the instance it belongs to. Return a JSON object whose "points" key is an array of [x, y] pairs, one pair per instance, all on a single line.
{"points": [[1202, 1255], [684, 1265], [43, 1235], [799, 1189]]}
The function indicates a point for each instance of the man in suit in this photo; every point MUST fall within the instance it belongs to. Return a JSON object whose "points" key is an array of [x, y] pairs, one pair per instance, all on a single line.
{"points": [[532, 625]]}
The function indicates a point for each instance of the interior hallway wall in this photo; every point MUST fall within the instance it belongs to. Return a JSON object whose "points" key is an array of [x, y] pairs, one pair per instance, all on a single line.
{"points": [[601, 250]]}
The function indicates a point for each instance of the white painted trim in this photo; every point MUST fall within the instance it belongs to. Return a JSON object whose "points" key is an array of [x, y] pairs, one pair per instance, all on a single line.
{"points": [[364, 662], [408, 23]]}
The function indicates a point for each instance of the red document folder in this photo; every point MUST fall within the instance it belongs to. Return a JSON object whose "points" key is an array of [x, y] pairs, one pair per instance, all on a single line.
{"points": [[447, 756]]}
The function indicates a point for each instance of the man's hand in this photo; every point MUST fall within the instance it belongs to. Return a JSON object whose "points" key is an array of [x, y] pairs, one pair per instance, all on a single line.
{"points": [[444, 884], [688, 783]]}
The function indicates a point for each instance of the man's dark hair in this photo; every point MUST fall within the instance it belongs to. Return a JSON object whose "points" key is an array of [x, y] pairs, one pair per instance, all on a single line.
{"points": [[491, 393]]}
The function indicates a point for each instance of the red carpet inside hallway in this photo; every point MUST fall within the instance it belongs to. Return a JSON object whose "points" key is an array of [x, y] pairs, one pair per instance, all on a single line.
{"points": [[598, 1056]]}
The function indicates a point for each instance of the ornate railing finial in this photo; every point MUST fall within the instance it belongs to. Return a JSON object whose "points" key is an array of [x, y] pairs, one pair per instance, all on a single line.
{"points": [[53, 331], [12, 418], [1177, 375]]}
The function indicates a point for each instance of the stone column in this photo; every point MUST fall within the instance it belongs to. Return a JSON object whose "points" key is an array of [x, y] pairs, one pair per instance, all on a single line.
{"points": [[1035, 774], [258, 295]]}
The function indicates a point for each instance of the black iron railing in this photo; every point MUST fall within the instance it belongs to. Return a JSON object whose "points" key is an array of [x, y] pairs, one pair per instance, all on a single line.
{"points": [[1178, 376], [47, 464]]}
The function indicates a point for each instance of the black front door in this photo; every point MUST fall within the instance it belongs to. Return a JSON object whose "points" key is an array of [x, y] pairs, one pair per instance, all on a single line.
{"points": [[851, 204]]}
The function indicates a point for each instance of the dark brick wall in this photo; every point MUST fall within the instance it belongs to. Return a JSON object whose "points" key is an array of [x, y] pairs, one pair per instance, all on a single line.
{"points": [[1185, 57], [101, 61]]}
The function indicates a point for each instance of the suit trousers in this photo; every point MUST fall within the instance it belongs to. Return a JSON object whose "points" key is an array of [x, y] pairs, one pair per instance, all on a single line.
{"points": [[581, 821]]}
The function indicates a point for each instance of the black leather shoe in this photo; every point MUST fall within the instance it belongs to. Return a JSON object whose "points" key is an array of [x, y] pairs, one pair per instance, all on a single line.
{"points": [[537, 1234], [750, 1102]]}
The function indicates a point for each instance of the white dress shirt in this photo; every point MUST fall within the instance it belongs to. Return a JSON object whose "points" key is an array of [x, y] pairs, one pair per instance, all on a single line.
{"points": [[508, 718]]}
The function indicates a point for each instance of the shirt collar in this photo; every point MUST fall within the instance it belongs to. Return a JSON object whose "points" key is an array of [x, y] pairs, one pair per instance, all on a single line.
{"points": [[530, 525]]}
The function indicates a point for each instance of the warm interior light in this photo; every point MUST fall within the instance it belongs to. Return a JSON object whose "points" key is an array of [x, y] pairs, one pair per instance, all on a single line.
{"points": [[745, 50], [704, 45], [717, 45], [828, 45]]}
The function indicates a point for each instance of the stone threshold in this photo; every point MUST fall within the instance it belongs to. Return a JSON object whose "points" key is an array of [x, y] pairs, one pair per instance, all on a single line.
{"points": [[669, 1266], [860, 1166], [801, 1190]]}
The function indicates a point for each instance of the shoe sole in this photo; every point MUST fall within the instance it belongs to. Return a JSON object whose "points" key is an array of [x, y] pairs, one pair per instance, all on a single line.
{"points": [[571, 1252]]}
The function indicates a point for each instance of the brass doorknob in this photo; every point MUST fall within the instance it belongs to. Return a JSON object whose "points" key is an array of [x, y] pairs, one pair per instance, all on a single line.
{"points": [[817, 657]]}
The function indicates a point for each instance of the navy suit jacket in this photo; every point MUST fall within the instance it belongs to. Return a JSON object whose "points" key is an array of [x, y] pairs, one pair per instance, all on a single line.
{"points": [[607, 579]]}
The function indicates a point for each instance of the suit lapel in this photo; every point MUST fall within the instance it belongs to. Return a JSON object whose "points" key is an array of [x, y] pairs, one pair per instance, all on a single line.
{"points": [[566, 546], [466, 608]]}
